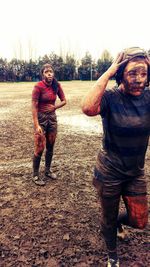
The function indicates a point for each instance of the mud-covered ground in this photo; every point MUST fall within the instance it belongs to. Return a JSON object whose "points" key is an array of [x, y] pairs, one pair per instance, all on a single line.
{"points": [[58, 224]]}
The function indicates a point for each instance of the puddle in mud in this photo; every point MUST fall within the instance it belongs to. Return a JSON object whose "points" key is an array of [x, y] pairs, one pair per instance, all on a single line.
{"points": [[81, 123]]}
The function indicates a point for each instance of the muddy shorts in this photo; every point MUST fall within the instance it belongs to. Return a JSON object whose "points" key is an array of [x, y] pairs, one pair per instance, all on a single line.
{"points": [[48, 121], [134, 194], [131, 187]]}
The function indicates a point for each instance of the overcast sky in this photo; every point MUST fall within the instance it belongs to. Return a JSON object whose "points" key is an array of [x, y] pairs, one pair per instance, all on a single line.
{"points": [[38, 27]]}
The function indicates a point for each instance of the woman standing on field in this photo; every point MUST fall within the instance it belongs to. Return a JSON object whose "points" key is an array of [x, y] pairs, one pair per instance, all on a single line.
{"points": [[119, 170], [44, 96]]}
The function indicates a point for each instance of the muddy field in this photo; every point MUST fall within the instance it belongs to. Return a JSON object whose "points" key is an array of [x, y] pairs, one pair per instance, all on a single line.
{"points": [[56, 225]]}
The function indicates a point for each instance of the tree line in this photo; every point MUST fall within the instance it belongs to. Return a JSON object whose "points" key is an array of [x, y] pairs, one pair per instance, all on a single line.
{"points": [[66, 69]]}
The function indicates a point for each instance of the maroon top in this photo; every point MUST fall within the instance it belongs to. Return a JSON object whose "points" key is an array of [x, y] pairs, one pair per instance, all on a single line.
{"points": [[45, 95]]}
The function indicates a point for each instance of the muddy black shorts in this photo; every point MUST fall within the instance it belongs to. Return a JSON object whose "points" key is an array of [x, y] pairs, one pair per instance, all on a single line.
{"points": [[48, 121], [134, 195], [133, 187]]}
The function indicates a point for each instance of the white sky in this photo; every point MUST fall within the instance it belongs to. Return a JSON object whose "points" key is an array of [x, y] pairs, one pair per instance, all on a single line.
{"points": [[38, 27]]}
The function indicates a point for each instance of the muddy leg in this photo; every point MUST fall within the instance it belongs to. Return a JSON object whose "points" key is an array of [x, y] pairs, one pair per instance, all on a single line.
{"points": [[39, 144], [48, 156], [137, 211], [36, 164], [110, 208], [50, 142]]}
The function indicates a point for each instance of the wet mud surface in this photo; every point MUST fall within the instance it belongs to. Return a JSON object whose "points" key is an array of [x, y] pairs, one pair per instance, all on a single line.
{"points": [[58, 224]]}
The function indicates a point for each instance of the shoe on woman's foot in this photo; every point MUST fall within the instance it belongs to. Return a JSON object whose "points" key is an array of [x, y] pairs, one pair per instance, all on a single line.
{"points": [[51, 175], [38, 181], [112, 263]]}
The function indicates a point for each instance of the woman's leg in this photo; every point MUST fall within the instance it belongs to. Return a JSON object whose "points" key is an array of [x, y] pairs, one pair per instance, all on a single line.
{"points": [[50, 142], [110, 208], [137, 211], [135, 199], [109, 201], [39, 144]]}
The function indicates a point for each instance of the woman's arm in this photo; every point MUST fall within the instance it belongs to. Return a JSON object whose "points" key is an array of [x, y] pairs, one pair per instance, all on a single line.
{"points": [[62, 98], [37, 127], [60, 104], [91, 103]]}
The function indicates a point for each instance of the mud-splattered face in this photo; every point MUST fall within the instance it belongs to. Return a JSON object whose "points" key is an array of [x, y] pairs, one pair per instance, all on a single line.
{"points": [[48, 74], [135, 77]]}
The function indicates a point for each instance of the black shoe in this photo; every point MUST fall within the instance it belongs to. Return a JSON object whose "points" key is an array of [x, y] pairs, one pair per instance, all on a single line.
{"points": [[51, 175], [38, 181]]}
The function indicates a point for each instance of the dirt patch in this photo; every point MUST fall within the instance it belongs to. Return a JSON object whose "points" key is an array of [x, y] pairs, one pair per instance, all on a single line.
{"points": [[55, 225]]}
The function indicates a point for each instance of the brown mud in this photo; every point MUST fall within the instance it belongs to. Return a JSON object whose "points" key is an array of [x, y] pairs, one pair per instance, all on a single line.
{"points": [[58, 224]]}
